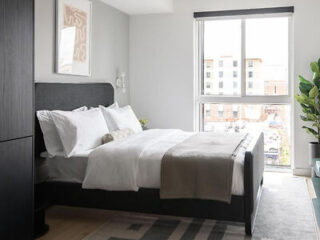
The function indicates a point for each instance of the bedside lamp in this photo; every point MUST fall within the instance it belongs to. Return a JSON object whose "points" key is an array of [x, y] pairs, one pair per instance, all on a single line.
{"points": [[121, 82]]}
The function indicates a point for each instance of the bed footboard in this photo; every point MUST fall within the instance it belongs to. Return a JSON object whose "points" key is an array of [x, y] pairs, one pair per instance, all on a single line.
{"points": [[253, 179]]}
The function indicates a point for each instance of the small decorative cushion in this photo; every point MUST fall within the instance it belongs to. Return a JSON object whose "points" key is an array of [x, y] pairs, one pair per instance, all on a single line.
{"points": [[116, 135]]}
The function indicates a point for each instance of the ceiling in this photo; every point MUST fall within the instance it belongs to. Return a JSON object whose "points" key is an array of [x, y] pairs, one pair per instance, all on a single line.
{"points": [[136, 7]]}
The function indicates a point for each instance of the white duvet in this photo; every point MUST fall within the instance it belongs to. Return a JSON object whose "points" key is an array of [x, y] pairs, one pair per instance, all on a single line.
{"points": [[134, 162]]}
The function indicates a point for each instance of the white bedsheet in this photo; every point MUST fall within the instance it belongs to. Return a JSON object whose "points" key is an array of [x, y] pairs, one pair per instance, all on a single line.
{"points": [[134, 162]]}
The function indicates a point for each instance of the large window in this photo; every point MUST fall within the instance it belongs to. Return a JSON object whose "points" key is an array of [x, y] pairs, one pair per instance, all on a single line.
{"points": [[250, 88]]}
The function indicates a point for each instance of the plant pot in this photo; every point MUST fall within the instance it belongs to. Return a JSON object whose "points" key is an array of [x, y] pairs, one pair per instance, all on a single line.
{"points": [[314, 151]]}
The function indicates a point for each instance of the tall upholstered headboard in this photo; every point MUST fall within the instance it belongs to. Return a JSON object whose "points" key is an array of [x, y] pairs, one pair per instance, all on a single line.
{"points": [[67, 96]]}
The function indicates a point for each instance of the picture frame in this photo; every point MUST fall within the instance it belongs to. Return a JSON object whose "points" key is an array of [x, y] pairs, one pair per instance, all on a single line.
{"points": [[73, 37]]}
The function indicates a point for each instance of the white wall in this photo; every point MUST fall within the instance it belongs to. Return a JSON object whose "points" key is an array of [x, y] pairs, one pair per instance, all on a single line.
{"points": [[109, 52], [161, 62]]}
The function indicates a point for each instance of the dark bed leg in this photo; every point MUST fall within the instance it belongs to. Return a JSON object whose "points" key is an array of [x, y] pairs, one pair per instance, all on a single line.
{"points": [[248, 227]]}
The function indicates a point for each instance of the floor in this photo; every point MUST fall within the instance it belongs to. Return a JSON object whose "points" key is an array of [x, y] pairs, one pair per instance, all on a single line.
{"points": [[76, 223]]}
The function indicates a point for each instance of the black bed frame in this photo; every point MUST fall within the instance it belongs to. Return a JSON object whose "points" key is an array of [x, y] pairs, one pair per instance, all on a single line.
{"points": [[51, 96]]}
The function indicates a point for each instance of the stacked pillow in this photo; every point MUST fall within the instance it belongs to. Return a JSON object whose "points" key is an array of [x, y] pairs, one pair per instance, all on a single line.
{"points": [[105, 111], [50, 134], [80, 131], [73, 132], [121, 118]]}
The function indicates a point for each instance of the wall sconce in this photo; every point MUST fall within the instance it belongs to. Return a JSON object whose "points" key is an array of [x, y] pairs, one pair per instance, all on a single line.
{"points": [[121, 82]]}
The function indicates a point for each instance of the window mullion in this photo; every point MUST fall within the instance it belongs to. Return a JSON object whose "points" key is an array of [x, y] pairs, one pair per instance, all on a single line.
{"points": [[243, 57]]}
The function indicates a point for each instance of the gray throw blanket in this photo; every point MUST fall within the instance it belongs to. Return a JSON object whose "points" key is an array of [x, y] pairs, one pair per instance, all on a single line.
{"points": [[201, 167]]}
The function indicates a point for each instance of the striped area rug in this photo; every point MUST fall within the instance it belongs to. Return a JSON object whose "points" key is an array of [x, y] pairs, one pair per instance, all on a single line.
{"points": [[285, 212], [126, 226]]}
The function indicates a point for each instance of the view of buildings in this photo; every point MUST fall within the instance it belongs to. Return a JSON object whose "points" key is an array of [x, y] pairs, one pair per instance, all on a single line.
{"points": [[223, 77]]}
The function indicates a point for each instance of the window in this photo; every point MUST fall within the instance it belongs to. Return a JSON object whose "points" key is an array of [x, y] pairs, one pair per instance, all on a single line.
{"points": [[235, 114], [272, 119], [258, 47], [235, 111], [267, 53], [220, 111], [208, 64], [235, 84], [235, 63], [235, 74], [208, 74], [208, 112], [208, 85]]}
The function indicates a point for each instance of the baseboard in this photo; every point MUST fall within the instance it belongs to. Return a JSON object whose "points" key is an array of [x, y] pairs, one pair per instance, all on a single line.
{"points": [[306, 172]]}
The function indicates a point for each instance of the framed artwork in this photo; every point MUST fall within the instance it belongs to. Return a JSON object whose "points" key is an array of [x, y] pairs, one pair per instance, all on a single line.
{"points": [[73, 37]]}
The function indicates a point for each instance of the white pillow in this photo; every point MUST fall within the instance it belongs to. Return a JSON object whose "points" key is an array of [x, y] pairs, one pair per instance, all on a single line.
{"points": [[105, 111], [50, 134], [125, 118], [114, 105], [80, 131]]}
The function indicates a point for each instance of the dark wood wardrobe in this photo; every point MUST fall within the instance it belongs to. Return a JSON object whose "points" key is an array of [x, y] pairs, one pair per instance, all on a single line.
{"points": [[16, 119]]}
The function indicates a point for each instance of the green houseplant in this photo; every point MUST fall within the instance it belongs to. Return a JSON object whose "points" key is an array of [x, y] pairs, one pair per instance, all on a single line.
{"points": [[309, 99], [143, 123]]}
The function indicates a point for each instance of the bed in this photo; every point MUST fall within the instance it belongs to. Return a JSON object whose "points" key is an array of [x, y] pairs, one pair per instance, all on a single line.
{"points": [[64, 186]]}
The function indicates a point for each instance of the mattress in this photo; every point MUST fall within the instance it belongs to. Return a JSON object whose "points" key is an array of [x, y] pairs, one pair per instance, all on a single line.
{"points": [[61, 169]]}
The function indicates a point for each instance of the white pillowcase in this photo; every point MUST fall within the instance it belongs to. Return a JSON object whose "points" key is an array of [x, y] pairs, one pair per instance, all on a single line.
{"points": [[125, 118], [50, 134], [105, 111], [80, 131]]}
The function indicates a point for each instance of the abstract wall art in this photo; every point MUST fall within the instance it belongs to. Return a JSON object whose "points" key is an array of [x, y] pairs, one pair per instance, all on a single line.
{"points": [[73, 37]]}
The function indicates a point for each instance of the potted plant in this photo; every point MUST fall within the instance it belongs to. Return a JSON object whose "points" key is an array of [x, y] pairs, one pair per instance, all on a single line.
{"points": [[309, 99], [143, 123]]}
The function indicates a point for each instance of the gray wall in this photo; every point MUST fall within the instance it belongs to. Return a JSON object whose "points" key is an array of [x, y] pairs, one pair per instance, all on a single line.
{"points": [[109, 51]]}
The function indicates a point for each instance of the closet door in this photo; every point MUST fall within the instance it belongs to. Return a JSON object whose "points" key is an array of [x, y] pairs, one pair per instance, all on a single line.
{"points": [[16, 195], [16, 68], [16, 119]]}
